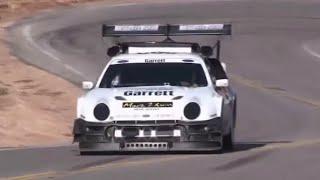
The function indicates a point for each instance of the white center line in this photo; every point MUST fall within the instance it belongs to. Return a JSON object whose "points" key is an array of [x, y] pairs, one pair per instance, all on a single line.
{"points": [[311, 52], [27, 33]]}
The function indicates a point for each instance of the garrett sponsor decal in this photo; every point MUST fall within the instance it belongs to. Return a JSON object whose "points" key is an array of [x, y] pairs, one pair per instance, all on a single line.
{"points": [[148, 93], [147, 105], [155, 60]]}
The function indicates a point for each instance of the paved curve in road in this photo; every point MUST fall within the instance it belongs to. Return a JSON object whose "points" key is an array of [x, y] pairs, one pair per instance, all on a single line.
{"points": [[278, 133]]}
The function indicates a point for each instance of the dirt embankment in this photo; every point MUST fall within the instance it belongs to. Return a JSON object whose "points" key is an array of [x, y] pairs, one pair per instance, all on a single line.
{"points": [[36, 108]]}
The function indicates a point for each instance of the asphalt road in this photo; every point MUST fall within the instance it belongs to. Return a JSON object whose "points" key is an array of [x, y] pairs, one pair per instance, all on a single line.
{"points": [[271, 68]]}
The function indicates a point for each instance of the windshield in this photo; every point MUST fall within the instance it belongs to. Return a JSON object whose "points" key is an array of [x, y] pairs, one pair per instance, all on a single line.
{"points": [[138, 74]]}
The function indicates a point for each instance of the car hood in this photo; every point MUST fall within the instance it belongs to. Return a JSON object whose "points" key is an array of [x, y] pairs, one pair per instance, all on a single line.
{"points": [[148, 102]]}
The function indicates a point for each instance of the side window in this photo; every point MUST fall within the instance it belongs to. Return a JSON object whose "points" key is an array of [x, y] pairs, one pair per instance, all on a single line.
{"points": [[217, 69], [210, 69]]}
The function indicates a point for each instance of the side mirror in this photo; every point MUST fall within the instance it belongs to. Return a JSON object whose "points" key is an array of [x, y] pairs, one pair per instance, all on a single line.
{"points": [[222, 83], [87, 85], [224, 66]]}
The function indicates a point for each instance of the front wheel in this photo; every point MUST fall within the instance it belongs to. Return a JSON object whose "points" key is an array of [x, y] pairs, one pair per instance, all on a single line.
{"points": [[228, 140]]}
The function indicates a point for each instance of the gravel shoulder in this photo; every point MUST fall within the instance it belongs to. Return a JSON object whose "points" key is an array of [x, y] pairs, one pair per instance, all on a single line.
{"points": [[33, 108]]}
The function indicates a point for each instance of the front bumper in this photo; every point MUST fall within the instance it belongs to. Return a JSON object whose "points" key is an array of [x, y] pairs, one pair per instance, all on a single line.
{"points": [[149, 135]]}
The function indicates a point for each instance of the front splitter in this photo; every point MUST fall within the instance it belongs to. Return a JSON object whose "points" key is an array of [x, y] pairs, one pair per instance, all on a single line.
{"points": [[176, 146]]}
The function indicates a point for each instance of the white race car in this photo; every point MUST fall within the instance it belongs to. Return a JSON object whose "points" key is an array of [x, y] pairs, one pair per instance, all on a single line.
{"points": [[158, 96]]}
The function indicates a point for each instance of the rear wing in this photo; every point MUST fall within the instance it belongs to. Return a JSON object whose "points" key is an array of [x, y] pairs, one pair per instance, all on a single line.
{"points": [[166, 30]]}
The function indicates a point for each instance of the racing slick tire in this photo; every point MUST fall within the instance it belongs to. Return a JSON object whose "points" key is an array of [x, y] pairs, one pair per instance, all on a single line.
{"points": [[228, 140]]}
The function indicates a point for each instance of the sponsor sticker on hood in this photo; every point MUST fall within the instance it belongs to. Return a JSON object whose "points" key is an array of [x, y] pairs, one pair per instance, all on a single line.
{"points": [[147, 104]]}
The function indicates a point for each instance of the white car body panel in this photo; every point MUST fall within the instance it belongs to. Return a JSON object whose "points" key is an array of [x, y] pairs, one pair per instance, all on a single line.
{"points": [[209, 101]]}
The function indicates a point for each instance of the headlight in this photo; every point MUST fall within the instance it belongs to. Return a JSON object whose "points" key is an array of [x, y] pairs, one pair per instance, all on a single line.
{"points": [[192, 111], [101, 112]]}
